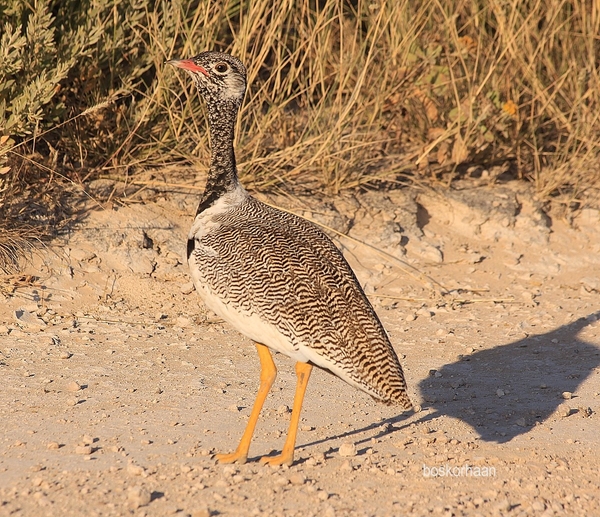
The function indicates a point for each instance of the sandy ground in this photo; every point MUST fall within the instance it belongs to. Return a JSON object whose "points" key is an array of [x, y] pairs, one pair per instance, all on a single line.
{"points": [[118, 386]]}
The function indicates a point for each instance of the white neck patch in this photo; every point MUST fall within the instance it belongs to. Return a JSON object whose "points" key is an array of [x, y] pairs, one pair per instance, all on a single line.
{"points": [[205, 221]]}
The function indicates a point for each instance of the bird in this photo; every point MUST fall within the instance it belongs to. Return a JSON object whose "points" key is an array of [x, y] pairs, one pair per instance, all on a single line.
{"points": [[275, 277]]}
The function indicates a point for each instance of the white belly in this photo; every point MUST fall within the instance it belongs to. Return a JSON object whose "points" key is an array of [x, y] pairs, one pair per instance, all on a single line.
{"points": [[250, 325]]}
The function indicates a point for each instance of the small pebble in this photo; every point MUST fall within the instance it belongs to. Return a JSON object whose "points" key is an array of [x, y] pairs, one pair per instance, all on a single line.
{"points": [[87, 439], [135, 470], [28, 319], [329, 511], [53, 446], [346, 466], [528, 296], [186, 289], [138, 496], [538, 506], [201, 512], [503, 505], [567, 395], [500, 393], [297, 479], [73, 386], [347, 450], [82, 256], [423, 311], [318, 457], [83, 449], [281, 481], [228, 470], [564, 411], [183, 322], [65, 355]]}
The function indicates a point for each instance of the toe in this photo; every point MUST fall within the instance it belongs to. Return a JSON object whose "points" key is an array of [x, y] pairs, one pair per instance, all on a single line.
{"points": [[234, 457], [278, 460]]}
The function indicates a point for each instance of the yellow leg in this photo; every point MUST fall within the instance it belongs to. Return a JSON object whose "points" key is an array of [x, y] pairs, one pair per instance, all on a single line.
{"points": [[268, 372], [287, 454]]}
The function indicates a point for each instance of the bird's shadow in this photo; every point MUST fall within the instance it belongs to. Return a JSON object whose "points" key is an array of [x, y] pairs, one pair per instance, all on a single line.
{"points": [[504, 391], [384, 427]]}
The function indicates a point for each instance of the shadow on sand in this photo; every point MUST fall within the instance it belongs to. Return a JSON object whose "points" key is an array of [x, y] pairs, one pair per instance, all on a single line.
{"points": [[503, 391], [532, 374]]}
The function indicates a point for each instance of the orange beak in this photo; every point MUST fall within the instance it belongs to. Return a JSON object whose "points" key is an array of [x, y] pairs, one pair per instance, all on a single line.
{"points": [[188, 64]]}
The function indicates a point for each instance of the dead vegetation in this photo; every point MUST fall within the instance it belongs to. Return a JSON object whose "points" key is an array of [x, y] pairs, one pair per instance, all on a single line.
{"points": [[343, 93]]}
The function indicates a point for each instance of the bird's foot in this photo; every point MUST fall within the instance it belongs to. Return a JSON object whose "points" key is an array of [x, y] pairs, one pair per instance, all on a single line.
{"points": [[234, 457], [280, 459]]}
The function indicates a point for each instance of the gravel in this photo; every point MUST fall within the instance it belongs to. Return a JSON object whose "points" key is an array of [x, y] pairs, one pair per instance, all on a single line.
{"points": [[115, 398]]}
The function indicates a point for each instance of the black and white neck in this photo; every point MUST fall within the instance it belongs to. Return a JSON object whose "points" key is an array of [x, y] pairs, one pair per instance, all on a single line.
{"points": [[221, 81], [222, 174]]}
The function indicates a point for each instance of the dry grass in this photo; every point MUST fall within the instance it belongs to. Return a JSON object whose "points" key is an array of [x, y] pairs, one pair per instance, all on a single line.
{"points": [[13, 245], [349, 94], [343, 93]]}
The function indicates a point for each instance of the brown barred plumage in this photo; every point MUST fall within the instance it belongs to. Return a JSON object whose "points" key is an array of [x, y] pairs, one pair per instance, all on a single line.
{"points": [[286, 271]]}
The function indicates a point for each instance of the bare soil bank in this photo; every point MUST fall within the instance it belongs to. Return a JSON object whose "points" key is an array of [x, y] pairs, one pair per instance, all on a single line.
{"points": [[118, 386]]}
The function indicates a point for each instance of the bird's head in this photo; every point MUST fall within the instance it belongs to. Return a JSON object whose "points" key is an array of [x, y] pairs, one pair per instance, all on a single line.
{"points": [[218, 76]]}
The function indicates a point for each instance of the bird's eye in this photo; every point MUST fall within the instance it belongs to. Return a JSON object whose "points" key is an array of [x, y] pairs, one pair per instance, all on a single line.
{"points": [[221, 68]]}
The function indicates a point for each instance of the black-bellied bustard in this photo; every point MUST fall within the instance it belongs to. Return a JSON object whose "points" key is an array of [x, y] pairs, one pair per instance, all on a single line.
{"points": [[275, 277]]}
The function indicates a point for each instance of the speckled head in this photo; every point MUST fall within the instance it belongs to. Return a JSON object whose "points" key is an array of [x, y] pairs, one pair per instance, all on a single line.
{"points": [[217, 75]]}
